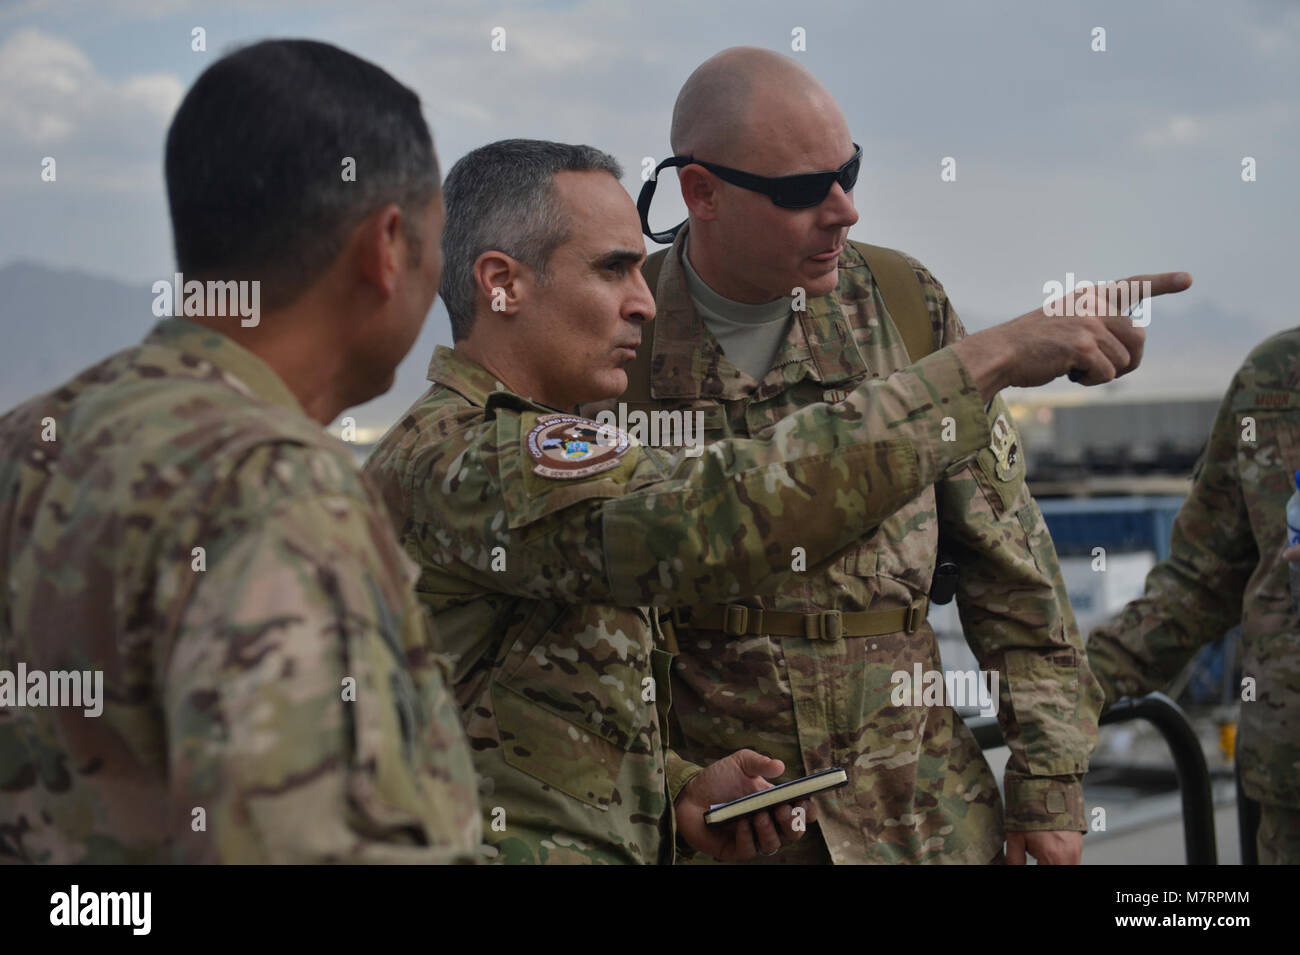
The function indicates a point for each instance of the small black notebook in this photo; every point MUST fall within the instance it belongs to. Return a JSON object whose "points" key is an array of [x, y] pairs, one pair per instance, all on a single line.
{"points": [[792, 791]]}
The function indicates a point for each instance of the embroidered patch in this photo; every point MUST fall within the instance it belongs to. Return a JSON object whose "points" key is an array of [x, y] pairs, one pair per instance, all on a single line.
{"points": [[1006, 447], [566, 447]]}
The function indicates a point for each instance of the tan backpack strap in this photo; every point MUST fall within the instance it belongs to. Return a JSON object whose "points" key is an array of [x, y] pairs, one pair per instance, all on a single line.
{"points": [[638, 372], [903, 295]]}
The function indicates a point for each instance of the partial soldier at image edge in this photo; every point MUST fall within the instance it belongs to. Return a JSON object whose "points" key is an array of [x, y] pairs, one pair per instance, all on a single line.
{"points": [[1227, 565]]}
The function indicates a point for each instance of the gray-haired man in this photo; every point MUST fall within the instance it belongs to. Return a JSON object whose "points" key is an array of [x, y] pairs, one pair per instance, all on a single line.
{"points": [[544, 538]]}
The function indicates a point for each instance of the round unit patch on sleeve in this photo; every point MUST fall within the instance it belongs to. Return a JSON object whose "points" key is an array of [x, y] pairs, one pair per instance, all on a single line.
{"points": [[566, 447]]}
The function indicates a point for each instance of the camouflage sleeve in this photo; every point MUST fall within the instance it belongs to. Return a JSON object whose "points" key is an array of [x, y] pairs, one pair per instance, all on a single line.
{"points": [[307, 718], [658, 530], [1195, 594], [679, 771], [1016, 616]]}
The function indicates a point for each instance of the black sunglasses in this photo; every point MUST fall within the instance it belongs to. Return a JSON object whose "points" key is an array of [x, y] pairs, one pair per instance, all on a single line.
{"points": [[789, 192]]}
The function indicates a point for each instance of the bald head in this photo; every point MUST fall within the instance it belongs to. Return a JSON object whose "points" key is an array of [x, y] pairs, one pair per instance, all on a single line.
{"points": [[737, 101], [764, 114]]}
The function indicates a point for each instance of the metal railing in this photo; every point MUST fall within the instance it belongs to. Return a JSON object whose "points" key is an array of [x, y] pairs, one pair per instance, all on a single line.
{"points": [[1189, 763]]}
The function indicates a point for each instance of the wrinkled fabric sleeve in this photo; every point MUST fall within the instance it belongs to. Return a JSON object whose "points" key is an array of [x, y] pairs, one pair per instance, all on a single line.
{"points": [[1016, 617], [708, 528], [1195, 594], [307, 717], [680, 771]]}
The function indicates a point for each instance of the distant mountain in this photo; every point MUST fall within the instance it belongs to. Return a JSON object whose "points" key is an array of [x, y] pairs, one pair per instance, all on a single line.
{"points": [[55, 322]]}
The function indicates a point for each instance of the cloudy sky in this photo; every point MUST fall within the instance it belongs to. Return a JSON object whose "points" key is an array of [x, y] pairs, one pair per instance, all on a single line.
{"points": [[1068, 160]]}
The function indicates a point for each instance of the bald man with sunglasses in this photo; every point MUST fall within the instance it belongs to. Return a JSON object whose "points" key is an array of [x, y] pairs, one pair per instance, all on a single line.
{"points": [[763, 308]]}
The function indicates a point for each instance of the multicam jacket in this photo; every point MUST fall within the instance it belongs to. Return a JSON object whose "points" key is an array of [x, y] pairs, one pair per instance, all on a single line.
{"points": [[1225, 567], [172, 521], [544, 540], [920, 790]]}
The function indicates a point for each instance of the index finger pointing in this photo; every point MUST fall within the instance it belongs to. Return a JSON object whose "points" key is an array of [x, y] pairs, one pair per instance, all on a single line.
{"points": [[1161, 283]]}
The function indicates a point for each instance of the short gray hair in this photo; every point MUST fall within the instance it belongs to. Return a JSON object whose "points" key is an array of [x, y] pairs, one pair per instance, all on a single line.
{"points": [[501, 197]]}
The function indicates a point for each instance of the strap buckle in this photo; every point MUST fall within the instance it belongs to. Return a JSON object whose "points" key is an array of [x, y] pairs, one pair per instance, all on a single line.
{"points": [[827, 625], [915, 615], [735, 620]]}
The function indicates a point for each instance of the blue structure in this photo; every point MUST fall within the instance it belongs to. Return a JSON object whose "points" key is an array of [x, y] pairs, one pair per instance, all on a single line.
{"points": [[1115, 523], [1136, 523]]}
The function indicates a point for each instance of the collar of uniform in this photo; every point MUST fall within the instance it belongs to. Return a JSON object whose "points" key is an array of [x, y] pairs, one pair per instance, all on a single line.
{"points": [[508, 399], [829, 351], [462, 375], [688, 362], [241, 367]]}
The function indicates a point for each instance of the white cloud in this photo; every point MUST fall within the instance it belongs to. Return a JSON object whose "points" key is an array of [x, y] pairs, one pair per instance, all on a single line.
{"points": [[1177, 131], [1273, 31], [144, 10], [51, 94], [1265, 121], [157, 93], [1088, 168]]}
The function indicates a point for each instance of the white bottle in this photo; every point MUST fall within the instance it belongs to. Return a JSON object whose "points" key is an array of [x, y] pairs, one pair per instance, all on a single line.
{"points": [[1293, 515]]}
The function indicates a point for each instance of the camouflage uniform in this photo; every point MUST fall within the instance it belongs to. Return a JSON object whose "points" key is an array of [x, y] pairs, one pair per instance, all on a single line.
{"points": [[540, 584], [920, 790], [225, 671], [1225, 567]]}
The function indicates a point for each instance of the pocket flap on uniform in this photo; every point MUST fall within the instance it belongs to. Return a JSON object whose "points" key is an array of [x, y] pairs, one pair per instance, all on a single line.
{"points": [[547, 747], [862, 562], [1045, 694]]}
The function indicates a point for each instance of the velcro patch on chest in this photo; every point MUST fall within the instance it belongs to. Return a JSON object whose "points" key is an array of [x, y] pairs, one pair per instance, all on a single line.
{"points": [[568, 447]]}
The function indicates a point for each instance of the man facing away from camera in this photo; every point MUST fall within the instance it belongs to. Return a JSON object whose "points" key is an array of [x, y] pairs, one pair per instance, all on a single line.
{"points": [[176, 523]]}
